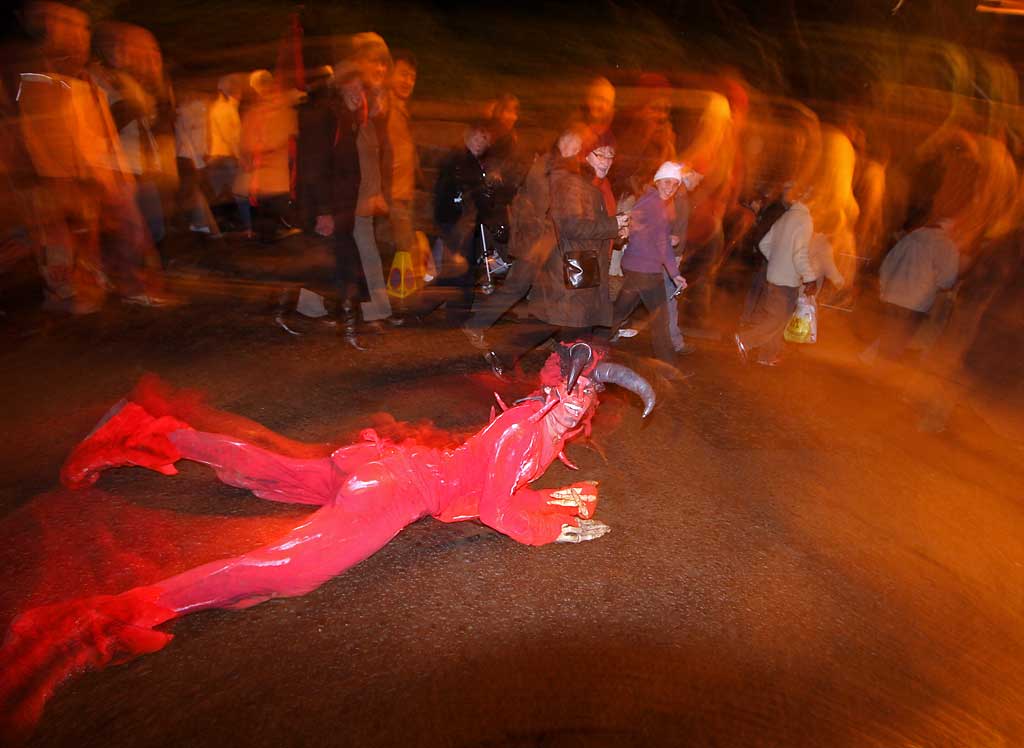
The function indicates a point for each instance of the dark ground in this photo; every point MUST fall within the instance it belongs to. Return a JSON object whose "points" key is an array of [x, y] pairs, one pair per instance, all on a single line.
{"points": [[792, 562]]}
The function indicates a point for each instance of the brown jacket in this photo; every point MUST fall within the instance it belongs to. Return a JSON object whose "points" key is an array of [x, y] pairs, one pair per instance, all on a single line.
{"points": [[580, 223]]}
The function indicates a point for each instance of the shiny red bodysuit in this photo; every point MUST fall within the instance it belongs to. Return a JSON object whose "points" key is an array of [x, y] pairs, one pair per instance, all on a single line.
{"points": [[365, 494]]}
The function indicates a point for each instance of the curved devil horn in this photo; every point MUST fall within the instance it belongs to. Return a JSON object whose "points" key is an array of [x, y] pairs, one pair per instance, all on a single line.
{"points": [[625, 377], [580, 354]]}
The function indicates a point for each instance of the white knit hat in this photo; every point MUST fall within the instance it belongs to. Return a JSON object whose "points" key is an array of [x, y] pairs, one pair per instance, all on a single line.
{"points": [[669, 170]]}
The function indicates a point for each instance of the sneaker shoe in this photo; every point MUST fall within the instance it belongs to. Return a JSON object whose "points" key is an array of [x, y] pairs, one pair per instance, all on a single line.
{"points": [[740, 348], [627, 332]]}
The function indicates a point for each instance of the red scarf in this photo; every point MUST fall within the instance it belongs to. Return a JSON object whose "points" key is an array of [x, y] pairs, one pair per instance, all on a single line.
{"points": [[610, 205]]}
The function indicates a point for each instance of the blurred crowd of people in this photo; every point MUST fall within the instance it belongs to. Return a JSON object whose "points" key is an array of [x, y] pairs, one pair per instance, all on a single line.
{"points": [[650, 192]]}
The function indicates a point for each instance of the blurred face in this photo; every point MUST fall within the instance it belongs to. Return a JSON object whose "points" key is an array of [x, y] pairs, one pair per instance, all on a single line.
{"points": [[600, 102], [64, 31], [375, 70], [601, 160], [666, 188], [655, 111], [353, 96], [403, 80], [508, 116], [569, 144], [137, 53], [572, 407], [477, 142]]}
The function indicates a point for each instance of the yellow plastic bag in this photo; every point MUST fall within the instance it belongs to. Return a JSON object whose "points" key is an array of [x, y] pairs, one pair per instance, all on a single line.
{"points": [[803, 325]]}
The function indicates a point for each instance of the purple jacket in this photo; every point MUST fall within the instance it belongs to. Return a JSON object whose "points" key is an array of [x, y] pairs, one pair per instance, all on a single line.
{"points": [[650, 243]]}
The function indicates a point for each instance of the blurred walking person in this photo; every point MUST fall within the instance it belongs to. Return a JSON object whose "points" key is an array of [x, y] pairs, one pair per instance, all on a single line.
{"points": [[584, 221], [84, 195], [372, 59], [648, 257], [264, 180], [530, 239], [402, 156], [225, 136], [129, 70], [786, 246], [329, 179], [461, 198]]}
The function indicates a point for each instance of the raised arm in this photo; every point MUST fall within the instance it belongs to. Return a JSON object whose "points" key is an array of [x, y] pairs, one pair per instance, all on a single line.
{"points": [[529, 516]]}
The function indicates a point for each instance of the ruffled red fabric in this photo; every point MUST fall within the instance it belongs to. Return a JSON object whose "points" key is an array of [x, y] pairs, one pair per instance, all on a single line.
{"points": [[47, 645], [131, 437]]}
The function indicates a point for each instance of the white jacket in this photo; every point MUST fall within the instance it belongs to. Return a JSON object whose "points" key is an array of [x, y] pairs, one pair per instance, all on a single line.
{"points": [[786, 246]]}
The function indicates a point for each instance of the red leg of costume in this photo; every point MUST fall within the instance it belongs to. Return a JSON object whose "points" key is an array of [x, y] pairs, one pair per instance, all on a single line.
{"points": [[359, 515], [362, 508], [270, 476], [331, 541]]}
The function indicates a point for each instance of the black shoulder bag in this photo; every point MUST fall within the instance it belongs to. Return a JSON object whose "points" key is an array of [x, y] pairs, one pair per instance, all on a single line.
{"points": [[580, 269]]}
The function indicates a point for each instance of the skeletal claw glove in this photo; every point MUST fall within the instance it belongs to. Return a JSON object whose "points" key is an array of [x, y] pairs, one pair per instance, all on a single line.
{"points": [[589, 529], [582, 496]]}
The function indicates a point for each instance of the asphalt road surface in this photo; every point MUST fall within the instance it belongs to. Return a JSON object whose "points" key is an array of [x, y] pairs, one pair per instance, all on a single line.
{"points": [[792, 561]]}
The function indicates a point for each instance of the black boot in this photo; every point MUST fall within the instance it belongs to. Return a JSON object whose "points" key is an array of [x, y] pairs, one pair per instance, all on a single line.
{"points": [[347, 325]]}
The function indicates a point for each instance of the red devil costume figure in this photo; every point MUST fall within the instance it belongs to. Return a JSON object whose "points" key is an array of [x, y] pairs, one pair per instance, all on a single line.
{"points": [[365, 494]]}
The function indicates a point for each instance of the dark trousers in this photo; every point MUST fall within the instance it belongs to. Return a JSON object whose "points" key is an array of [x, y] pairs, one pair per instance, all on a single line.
{"points": [[775, 306], [650, 289], [757, 284], [267, 215], [527, 335], [348, 271], [488, 309]]}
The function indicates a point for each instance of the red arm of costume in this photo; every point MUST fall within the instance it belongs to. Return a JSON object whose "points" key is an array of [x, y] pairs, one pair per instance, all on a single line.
{"points": [[507, 504]]}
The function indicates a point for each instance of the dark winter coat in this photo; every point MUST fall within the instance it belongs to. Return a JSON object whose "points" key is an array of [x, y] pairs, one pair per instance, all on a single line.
{"points": [[579, 222], [329, 180], [461, 189], [328, 162], [529, 210]]}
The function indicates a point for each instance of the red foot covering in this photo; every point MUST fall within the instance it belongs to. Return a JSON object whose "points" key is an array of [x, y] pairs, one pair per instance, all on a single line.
{"points": [[45, 646], [131, 437]]}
